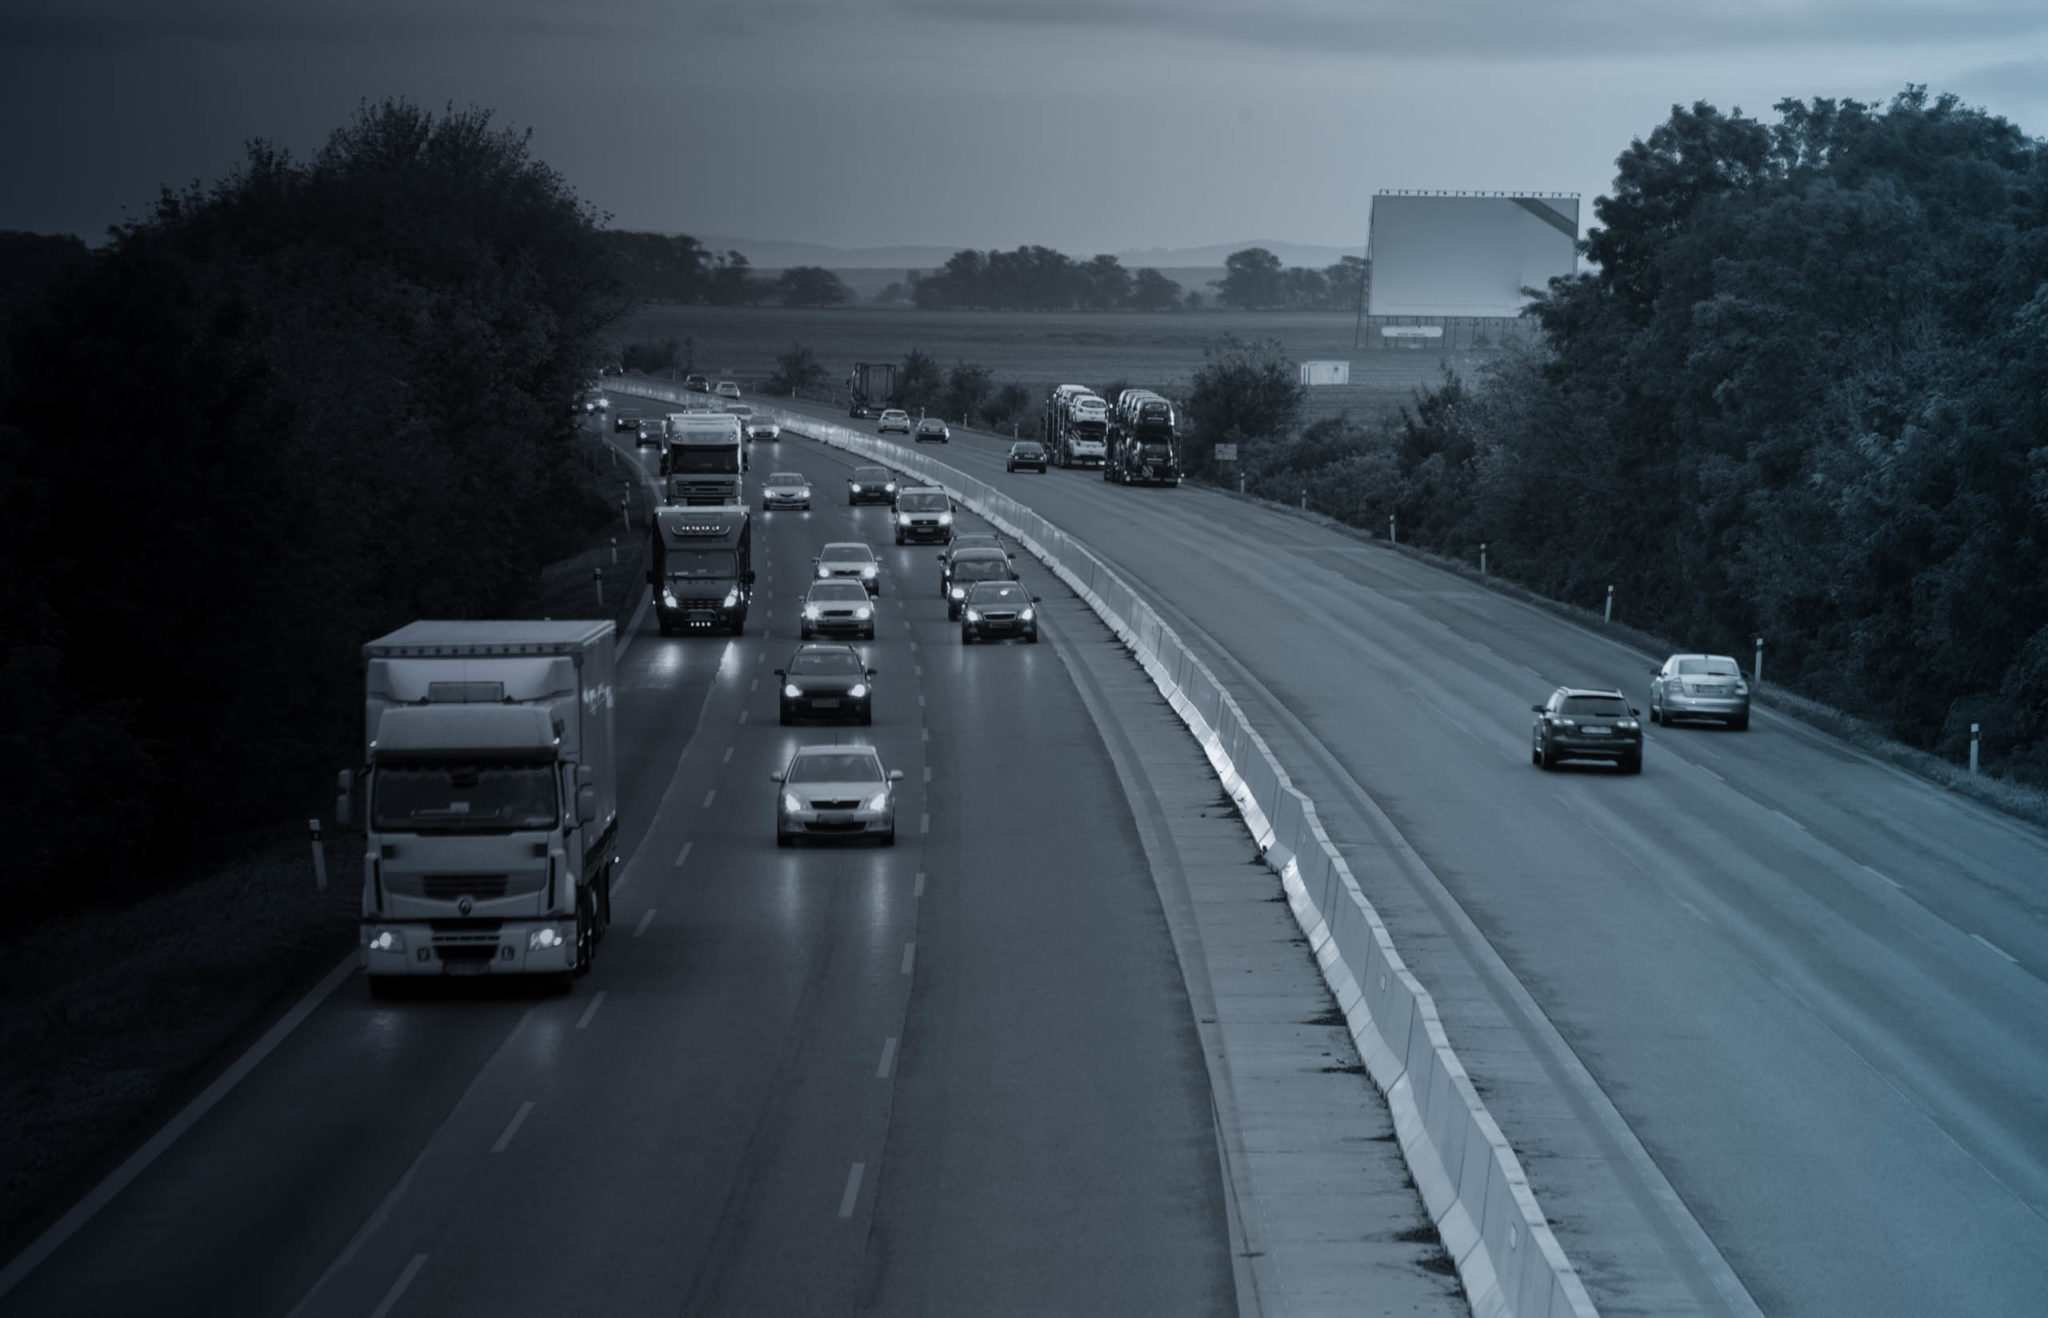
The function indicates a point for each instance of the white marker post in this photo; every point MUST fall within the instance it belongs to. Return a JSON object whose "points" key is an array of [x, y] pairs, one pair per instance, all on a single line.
{"points": [[1758, 680], [1610, 604], [1482, 558], [1390, 529], [1973, 756], [597, 578], [320, 852]]}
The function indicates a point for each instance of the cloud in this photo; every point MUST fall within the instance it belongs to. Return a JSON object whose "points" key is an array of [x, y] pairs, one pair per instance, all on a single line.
{"points": [[1493, 29], [148, 24], [2023, 82]]}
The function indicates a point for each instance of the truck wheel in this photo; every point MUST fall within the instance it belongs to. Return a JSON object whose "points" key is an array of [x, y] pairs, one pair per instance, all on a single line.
{"points": [[604, 903], [385, 988], [739, 626], [586, 931]]}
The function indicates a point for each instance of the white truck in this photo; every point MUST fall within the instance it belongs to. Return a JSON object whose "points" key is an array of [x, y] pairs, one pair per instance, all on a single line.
{"points": [[490, 799], [702, 457]]}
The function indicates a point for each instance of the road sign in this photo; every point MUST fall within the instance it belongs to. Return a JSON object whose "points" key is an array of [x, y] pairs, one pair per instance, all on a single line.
{"points": [[1226, 452]]}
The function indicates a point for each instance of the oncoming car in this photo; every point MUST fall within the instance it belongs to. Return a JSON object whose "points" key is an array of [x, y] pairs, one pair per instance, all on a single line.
{"points": [[827, 681], [785, 489], [893, 418], [835, 791], [837, 608], [1026, 455], [995, 609], [933, 429], [870, 485], [971, 566], [850, 558], [1581, 724], [1699, 686], [924, 514]]}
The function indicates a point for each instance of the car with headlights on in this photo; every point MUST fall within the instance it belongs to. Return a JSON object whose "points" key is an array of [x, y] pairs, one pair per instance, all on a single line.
{"points": [[763, 429], [835, 791], [785, 489], [1580, 723], [933, 429], [837, 608], [994, 610], [626, 419], [1700, 686], [892, 418], [849, 558], [968, 567], [726, 389], [924, 513], [871, 485], [1026, 455], [827, 681]]}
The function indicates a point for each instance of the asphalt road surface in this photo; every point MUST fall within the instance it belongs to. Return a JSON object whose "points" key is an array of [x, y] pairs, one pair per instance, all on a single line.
{"points": [[1770, 988], [955, 1076]]}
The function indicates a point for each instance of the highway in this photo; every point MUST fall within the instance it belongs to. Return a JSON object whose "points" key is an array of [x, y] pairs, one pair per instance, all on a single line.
{"points": [[1766, 1024], [955, 1076]]}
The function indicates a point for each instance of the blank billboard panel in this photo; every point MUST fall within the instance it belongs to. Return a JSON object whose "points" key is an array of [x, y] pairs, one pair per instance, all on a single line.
{"points": [[1467, 255]]}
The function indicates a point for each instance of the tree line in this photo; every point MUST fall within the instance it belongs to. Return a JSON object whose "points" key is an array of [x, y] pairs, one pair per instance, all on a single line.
{"points": [[276, 417], [1802, 394], [659, 267]]}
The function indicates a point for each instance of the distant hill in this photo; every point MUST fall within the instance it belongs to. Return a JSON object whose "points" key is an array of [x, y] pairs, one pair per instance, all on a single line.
{"points": [[773, 255]]}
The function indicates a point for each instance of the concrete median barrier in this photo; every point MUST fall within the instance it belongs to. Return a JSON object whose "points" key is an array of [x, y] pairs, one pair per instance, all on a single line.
{"points": [[1470, 1180]]}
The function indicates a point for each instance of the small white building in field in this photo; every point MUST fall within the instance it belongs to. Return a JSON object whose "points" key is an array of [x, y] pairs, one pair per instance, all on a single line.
{"points": [[1315, 373]]}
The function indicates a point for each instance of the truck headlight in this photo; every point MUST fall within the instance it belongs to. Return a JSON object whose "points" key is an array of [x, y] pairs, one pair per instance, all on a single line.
{"points": [[792, 690], [545, 937], [790, 803], [732, 597], [389, 940], [668, 597], [902, 519]]}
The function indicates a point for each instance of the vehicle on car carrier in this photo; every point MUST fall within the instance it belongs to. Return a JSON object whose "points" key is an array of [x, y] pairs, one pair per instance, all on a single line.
{"points": [[1144, 448]]}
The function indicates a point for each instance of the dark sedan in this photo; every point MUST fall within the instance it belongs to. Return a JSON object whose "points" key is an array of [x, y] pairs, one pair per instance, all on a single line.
{"points": [[1026, 455], [827, 681], [871, 485], [966, 568], [1580, 724], [933, 429], [994, 610]]}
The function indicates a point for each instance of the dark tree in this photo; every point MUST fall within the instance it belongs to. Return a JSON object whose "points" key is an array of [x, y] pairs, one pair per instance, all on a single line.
{"points": [[1152, 291], [1251, 280], [811, 286]]}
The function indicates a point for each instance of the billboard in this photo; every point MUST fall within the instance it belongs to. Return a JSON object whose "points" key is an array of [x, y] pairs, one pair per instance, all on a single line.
{"points": [[1467, 253]]}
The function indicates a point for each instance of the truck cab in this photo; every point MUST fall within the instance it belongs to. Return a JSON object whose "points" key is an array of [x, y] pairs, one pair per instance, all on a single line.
{"points": [[701, 569], [702, 457]]}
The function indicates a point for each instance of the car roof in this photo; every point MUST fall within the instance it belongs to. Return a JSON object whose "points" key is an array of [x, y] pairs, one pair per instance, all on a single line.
{"points": [[785, 476], [831, 748], [858, 470], [831, 545], [825, 647], [1589, 691], [1690, 654], [894, 411], [976, 552], [831, 584], [930, 421]]}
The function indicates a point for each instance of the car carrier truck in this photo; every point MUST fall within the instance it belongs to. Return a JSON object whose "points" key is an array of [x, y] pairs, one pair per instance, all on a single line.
{"points": [[870, 388], [489, 799]]}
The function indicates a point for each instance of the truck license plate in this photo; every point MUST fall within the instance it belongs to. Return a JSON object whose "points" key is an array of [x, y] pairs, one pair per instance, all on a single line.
{"points": [[465, 967]]}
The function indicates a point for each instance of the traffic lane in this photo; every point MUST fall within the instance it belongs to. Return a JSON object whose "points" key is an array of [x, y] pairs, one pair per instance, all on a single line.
{"points": [[691, 1131], [1052, 1147], [223, 1221], [1380, 633]]}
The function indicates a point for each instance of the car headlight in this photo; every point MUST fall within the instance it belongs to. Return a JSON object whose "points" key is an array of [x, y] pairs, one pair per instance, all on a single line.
{"points": [[732, 597], [974, 615], [852, 488], [824, 571], [945, 519], [857, 691], [790, 803], [879, 801], [390, 940], [810, 611], [902, 519], [1025, 614], [545, 937], [868, 571], [1629, 725], [890, 488], [792, 690], [959, 594], [863, 613]]}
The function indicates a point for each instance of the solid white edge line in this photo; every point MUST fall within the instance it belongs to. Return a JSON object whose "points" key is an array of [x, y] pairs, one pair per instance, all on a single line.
{"points": [[412, 1269], [138, 1162], [512, 1127], [596, 1001], [852, 1195], [888, 1058], [1996, 948], [640, 929]]}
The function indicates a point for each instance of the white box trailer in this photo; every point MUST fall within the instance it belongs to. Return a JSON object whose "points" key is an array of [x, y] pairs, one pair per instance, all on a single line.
{"points": [[490, 801]]}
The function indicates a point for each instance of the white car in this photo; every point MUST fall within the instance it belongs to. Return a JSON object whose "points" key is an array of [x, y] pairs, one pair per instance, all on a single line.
{"points": [[894, 418], [837, 608], [726, 389], [785, 489], [764, 428], [850, 558], [835, 791]]}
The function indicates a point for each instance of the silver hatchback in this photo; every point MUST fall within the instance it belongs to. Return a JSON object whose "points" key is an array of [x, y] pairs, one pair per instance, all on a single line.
{"points": [[1699, 686]]}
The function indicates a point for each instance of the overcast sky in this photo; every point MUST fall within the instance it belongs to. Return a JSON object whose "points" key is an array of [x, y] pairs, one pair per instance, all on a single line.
{"points": [[1087, 125]]}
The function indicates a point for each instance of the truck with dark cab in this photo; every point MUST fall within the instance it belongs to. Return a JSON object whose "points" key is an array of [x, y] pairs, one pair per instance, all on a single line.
{"points": [[701, 568]]}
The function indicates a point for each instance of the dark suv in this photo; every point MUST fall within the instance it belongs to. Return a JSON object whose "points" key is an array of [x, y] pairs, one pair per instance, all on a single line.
{"points": [[1580, 724], [827, 681]]}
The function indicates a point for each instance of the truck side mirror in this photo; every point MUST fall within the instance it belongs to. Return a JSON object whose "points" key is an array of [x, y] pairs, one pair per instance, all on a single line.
{"points": [[586, 804]]}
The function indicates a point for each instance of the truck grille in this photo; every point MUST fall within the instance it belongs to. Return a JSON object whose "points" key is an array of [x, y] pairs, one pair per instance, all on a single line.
{"points": [[447, 887]]}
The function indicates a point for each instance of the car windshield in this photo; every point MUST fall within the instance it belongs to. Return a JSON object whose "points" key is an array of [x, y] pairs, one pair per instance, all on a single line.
{"points": [[981, 569], [475, 797], [870, 475], [1712, 666], [1025, 450], [1001, 593], [929, 424], [836, 767], [628, 414], [698, 564], [848, 554], [826, 661], [1154, 452], [893, 415], [784, 478], [1595, 706], [724, 461], [838, 592], [975, 540], [922, 503]]}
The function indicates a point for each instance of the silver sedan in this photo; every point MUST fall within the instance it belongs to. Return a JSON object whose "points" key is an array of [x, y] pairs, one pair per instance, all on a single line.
{"points": [[1699, 686], [836, 791]]}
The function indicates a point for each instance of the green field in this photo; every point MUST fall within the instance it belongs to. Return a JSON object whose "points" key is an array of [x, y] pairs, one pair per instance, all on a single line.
{"points": [[1158, 350]]}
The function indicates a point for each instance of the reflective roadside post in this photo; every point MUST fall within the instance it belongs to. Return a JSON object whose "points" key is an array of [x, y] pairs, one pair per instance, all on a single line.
{"points": [[1758, 680], [320, 852], [615, 551], [1482, 558], [1390, 529], [597, 578], [1609, 617], [1973, 760]]}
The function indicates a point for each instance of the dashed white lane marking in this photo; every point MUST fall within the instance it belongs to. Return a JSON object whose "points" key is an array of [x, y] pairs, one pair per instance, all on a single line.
{"points": [[743, 716], [917, 670], [728, 755], [888, 1058], [1996, 948], [640, 930], [512, 1126], [684, 854], [709, 797], [1694, 911], [754, 685], [1710, 773], [596, 1001], [913, 645], [761, 658], [390, 1299], [927, 773], [909, 956], [920, 700], [927, 733], [852, 1195], [918, 891]]}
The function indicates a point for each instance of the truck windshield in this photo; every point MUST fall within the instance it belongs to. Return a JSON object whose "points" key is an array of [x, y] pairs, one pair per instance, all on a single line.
{"points": [[464, 798], [697, 564], [720, 460], [1155, 452]]}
